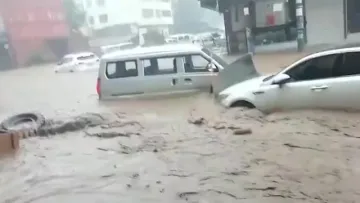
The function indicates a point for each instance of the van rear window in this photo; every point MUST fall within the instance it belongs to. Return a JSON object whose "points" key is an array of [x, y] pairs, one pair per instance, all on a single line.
{"points": [[121, 69], [82, 58]]}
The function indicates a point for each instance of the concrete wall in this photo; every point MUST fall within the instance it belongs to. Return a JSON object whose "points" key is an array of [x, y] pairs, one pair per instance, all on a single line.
{"points": [[238, 23], [325, 21]]}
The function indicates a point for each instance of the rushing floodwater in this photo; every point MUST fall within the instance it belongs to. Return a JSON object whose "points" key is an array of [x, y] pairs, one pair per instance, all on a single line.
{"points": [[293, 157]]}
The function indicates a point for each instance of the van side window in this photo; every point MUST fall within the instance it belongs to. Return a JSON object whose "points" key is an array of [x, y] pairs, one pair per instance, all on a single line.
{"points": [[159, 66], [195, 63], [121, 69]]}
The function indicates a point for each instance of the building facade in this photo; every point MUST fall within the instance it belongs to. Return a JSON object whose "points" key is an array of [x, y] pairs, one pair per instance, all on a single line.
{"points": [[102, 14], [34, 27], [327, 22], [332, 21]]}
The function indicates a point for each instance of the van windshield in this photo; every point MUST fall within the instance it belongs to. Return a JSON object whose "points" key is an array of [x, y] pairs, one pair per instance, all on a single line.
{"points": [[217, 58]]}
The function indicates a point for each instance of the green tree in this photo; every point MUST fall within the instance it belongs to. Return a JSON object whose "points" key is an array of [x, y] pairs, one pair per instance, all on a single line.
{"points": [[75, 15]]}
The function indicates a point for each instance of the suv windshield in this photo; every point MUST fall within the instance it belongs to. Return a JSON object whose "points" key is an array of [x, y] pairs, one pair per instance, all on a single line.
{"points": [[217, 58]]}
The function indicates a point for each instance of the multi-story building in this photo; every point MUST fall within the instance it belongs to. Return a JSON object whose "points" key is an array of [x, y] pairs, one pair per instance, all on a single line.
{"points": [[33, 28], [102, 14]]}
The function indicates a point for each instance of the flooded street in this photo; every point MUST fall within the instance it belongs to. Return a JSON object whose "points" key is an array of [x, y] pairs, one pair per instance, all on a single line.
{"points": [[308, 156]]}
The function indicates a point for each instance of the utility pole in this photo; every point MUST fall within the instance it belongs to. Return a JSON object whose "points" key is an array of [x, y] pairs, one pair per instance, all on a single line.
{"points": [[300, 25], [248, 29]]}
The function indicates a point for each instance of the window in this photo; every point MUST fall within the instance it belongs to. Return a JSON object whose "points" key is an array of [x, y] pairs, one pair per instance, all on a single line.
{"points": [[101, 3], [352, 16], [147, 13], [88, 3], [121, 69], [317, 68], [103, 18], [91, 20], [195, 63], [166, 13], [159, 66], [217, 58], [351, 65]]}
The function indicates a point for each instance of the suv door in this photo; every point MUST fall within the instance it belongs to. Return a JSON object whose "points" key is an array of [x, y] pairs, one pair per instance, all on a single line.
{"points": [[161, 74], [196, 74], [122, 79], [312, 86], [346, 82]]}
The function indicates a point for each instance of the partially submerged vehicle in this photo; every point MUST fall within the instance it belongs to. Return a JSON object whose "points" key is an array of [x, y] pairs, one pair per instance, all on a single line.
{"points": [[81, 61], [323, 80], [168, 69]]}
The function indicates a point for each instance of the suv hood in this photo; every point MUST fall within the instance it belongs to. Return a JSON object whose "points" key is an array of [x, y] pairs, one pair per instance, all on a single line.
{"points": [[240, 70]]}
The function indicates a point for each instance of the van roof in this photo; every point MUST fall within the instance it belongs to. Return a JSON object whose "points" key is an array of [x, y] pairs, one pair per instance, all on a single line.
{"points": [[115, 45], [151, 51]]}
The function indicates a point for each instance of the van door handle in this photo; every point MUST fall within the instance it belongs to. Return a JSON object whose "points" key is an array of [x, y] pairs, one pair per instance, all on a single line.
{"points": [[173, 81], [319, 88], [187, 80], [258, 92]]}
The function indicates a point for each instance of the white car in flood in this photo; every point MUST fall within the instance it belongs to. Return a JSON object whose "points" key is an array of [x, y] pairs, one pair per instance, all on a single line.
{"points": [[324, 80], [84, 61]]}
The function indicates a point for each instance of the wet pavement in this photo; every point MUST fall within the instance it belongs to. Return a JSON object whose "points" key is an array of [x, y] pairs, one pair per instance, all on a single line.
{"points": [[175, 149]]}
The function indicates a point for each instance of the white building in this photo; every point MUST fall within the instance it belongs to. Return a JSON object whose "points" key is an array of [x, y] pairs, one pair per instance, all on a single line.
{"points": [[137, 13]]}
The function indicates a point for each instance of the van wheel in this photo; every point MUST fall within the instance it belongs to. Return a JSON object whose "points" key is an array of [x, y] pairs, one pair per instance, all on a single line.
{"points": [[243, 104]]}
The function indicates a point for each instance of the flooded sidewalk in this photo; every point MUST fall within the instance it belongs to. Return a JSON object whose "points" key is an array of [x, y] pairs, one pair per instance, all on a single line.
{"points": [[164, 156]]}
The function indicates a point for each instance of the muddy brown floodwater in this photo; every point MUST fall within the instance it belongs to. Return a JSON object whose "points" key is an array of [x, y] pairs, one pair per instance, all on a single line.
{"points": [[307, 156]]}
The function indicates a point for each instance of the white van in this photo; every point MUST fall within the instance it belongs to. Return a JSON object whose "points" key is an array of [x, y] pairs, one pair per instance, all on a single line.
{"points": [[166, 69]]}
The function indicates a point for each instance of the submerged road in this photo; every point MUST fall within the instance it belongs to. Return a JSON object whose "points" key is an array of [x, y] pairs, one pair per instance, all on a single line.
{"points": [[308, 156]]}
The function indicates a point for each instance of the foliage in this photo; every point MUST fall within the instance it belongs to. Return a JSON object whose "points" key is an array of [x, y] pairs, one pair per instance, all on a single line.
{"points": [[75, 15]]}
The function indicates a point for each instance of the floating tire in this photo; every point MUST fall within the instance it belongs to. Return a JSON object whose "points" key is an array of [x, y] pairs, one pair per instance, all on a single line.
{"points": [[12, 122]]}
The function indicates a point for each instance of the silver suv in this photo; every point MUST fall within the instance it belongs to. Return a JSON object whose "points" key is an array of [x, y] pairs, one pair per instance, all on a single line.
{"points": [[167, 69]]}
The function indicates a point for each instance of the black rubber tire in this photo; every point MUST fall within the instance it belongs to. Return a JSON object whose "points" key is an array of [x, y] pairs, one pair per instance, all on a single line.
{"points": [[12, 121], [243, 104]]}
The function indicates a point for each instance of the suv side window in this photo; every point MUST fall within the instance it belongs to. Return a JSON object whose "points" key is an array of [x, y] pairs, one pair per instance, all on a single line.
{"points": [[159, 66], [317, 68], [350, 65], [121, 69], [195, 64]]}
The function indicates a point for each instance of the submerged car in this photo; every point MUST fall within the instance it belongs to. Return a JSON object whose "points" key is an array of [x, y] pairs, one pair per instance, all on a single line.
{"points": [[325, 80], [166, 69], [83, 61]]}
